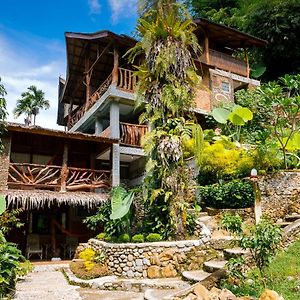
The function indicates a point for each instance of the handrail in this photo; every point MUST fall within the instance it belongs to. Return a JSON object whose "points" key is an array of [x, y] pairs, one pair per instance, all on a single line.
{"points": [[132, 134]]}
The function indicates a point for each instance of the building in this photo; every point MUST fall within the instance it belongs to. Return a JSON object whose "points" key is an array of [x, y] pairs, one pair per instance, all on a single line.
{"points": [[56, 176], [98, 94]]}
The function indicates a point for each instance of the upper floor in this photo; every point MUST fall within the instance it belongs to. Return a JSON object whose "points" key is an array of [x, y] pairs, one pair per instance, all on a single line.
{"points": [[100, 77]]}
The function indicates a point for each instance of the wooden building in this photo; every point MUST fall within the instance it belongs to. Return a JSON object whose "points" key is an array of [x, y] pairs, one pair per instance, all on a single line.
{"points": [[98, 94]]}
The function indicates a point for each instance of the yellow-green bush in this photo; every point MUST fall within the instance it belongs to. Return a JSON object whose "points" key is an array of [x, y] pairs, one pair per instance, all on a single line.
{"points": [[225, 161]]}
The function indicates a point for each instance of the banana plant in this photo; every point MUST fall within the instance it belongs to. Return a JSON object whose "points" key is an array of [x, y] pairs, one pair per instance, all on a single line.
{"points": [[2, 204]]}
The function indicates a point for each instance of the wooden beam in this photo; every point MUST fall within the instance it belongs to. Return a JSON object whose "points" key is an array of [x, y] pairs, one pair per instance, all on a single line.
{"points": [[206, 49], [247, 63], [64, 170], [116, 67]]}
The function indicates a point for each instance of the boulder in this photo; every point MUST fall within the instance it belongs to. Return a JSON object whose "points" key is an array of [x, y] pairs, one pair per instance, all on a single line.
{"points": [[154, 272], [168, 271], [227, 295], [201, 292], [167, 255], [190, 296], [270, 295]]}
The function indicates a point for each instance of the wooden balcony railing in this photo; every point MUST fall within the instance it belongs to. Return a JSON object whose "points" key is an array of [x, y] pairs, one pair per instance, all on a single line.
{"points": [[225, 62], [132, 134], [126, 80], [50, 177]]}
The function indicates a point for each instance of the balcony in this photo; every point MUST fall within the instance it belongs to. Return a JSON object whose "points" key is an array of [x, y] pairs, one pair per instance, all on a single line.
{"points": [[125, 81], [225, 62], [56, 178], [132, 134]]}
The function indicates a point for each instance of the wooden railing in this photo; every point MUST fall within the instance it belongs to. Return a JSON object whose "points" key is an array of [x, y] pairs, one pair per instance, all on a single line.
{"points": [[225, 62], [126, 80], [132, 134], [50, 177]]}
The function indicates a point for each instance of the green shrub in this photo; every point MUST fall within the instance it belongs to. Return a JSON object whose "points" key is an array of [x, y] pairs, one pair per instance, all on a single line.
{"points": [[101, 236], [234, 194], [191, 223], [232, 223], [138, 238], [124, 238], [153, 237]]}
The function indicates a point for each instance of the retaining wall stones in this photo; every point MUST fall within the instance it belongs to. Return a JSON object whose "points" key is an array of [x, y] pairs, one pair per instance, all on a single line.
{"points": [[152, 260], [280, 194]]}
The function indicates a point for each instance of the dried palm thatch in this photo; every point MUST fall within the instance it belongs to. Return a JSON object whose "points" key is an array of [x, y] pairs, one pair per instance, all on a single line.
{"points": [[38, 199]]}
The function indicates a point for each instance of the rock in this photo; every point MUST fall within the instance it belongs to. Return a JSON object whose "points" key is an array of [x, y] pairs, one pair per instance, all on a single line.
{"points": [[201, 292], [130, 257], [190, 296], [155, 260], [270, 295], [168, 271], [130, 274], [154, 272], [227, 295], [139, 262], [167, 255]]}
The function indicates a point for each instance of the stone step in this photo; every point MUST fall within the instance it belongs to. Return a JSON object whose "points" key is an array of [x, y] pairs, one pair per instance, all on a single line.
{"points": [[199, 214], [283, 224], [234, 253], [196, 275], [214, 265], [154, 294], [204, 219], [292, 217]]}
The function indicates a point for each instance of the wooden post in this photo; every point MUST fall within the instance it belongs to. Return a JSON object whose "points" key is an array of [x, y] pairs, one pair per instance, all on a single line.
{"points": [[247, 63], [87, 79], [64, 170], [53, 236], [115, 71], [206, 49]]}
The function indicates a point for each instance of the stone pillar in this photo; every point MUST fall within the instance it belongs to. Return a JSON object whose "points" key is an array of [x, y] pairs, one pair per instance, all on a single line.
{"points": [[115, 120], [115, 170], [98, 126], [115, 133], [4, 162]]}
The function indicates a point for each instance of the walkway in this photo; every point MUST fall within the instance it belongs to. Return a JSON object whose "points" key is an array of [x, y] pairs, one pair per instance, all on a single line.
{"points": [[46, 282]]}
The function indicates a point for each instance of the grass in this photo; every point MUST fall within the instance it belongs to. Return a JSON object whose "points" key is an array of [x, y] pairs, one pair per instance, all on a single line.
{"points": [[282, 276]]}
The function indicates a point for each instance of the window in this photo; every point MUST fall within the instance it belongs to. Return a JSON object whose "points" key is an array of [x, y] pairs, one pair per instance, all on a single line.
{"points": [[225, 87]]}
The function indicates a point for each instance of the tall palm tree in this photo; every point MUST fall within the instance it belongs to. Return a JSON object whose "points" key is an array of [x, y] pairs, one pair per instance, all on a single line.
{"points": [[32, 101]]}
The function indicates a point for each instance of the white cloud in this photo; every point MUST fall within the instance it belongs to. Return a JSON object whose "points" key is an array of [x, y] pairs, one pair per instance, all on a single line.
{"points": [[122, 8], [95, 7], [22, 65]]}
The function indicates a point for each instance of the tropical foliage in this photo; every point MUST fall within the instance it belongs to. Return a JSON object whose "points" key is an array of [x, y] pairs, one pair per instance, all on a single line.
{"points": [[3, 112], [30, 104], [166, 81], [273, 20]]}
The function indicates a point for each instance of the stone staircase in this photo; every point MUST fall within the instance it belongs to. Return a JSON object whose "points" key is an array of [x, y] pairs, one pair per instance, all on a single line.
{"points": [[288, 220], [212, 271]]}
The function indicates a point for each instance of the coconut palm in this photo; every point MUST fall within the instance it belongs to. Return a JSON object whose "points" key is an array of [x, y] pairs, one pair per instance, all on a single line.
{"points": [[32, 101]]}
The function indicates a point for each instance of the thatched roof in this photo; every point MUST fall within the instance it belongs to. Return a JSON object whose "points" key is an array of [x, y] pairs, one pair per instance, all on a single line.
{"points": [[35, 199], [38, 130]]}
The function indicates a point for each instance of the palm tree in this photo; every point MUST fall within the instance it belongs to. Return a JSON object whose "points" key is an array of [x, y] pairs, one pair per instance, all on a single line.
{"points": [[32, 101]]}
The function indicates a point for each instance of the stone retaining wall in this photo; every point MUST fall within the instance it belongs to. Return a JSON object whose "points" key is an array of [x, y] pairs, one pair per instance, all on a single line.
{"points": [[280, 194], [152, 260]]}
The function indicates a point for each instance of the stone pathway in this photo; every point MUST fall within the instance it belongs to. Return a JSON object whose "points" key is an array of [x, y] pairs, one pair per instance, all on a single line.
{"points": [[46, 285]]}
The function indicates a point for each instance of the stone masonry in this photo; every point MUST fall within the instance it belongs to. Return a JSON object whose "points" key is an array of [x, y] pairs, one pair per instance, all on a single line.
{"points": [[280, 194], [146, 260], [4, 162]]}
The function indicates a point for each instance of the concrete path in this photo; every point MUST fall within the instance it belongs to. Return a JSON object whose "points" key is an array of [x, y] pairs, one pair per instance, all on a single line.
{"points": [[46, 285]]}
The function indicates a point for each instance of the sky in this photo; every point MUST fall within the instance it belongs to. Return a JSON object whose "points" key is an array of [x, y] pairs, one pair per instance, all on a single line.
{"points": [[32, 44]]}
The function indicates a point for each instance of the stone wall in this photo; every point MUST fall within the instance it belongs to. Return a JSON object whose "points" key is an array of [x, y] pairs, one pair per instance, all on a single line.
{"points": [[153, 260], [4, 162], [280, 194]]}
